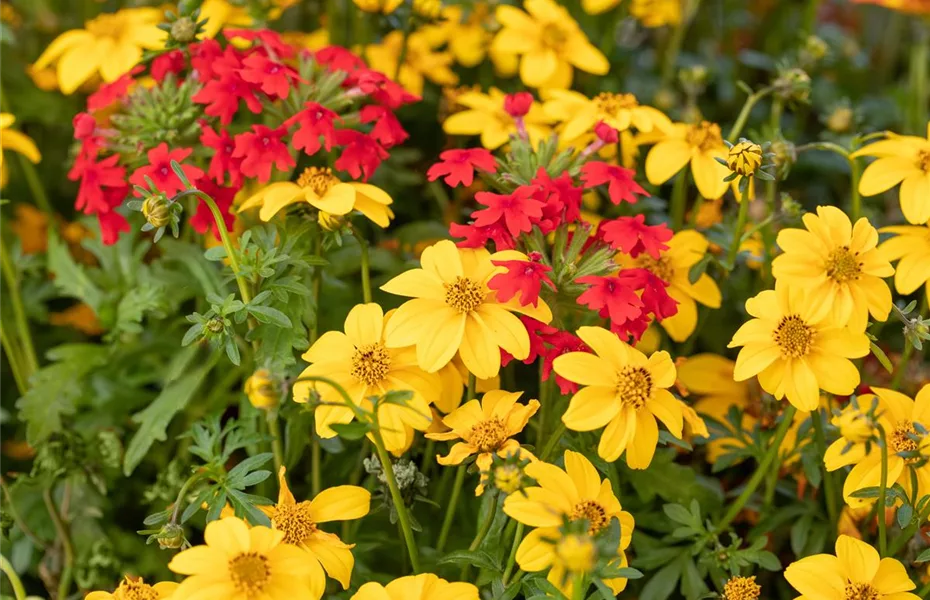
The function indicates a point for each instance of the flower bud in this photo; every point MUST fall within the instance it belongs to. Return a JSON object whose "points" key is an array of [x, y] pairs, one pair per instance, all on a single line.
{"points": [[84, 125], [156, 212], [854, 425], [508, 478], [215, 325], [784, 155], [170, 537], [793, 85], [517, 105], [606, 133], [840, 119], [577, 552], [813, 50], [744, 158], [184, 30], [261, 388]]}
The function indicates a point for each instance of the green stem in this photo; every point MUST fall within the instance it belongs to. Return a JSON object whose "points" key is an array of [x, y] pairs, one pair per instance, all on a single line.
{"points": [[738, 232], [751, 101], [924, 591], [762, 470], [408, 26], [882, 492], [512, 558], [810, 17], [480, 535], [855, 199], [366, 271], [553, 441], [12, 357], [674, 44], [274, 428], [19, 313], [902, 365], [920, 65], [695, 211], [18, 590], [315, 465], [677, 205], [179, 501], [450, 508], [387, 468], [905, 536], [316, 284], [580, 587], [829, 484], [64, 536]]}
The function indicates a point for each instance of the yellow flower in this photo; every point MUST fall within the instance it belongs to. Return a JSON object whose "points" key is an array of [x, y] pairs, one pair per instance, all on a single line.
{"points": [[133, 588], [454, 311], [742, 588], [903, 159], [466, 35], [318, 187], [575, 493], [902, 419], [417, 587], [454, 378], [111, 44], [794, 350], [838, 266], [857, 435], [596, 7], [18, 142], [851, 518], [698, 144], [384, 7], [549, 42], [299, 521], [421, 61], [485, 428], [485, 116], [856, 572], [656, 13], [242, 563], [624, 391], [361, 362], [911, 248], [261, 389], [621, 111], [685, 249]]}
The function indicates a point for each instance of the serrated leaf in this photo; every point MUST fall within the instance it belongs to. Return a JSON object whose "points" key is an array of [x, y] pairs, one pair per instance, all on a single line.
{"points": [[246, 466], [266, 314], [477, 558], [70, 278]]}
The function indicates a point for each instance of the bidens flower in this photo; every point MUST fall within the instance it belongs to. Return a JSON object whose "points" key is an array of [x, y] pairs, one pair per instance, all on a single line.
{"points": [[485, 115], [133, 588], [741, 588], [903, 159], [698, 144], [417, 587], [16, 141], [620, 112], [454, 311], [910, 246]]}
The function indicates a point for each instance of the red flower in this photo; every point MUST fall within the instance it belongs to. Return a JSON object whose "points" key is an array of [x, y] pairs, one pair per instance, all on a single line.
{"points": [[387, 130], [622, 187], [223, 93], [160, 172], [337, 58], [561, 342], [611, 297], [170, 62], [315, 122], [459, 166], [655, 297], [203, 219], [269, 40], [517, 105], [382, 90], [538, 332], [260, 149], [632, 236], [517, 210], [111, 225], [101, 183], [360, 156], [562, 200], [273, 77], [84, 126], [478, 237], [108, 93], [606, 133], [523, 277], [222, 161], [204, 56]]}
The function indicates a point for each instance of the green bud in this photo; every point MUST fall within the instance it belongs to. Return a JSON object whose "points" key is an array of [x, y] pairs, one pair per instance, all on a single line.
{"points": [[215, 325], [170, 537], [156, 211], [184, 30]]}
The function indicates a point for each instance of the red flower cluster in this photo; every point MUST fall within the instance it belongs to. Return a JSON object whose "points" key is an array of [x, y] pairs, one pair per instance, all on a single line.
{"points": [[549, 343], [630, 300]]}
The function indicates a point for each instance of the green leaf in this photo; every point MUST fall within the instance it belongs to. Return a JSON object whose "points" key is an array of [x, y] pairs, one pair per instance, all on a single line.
{"points": [[215, 253], [904, 515], [351, 431], [923, 556], [133, 306], [266, 314], [477, 558], [679, 514], [70, 278], [882, 357], [243, 505], [238, 472], [662, 583]]}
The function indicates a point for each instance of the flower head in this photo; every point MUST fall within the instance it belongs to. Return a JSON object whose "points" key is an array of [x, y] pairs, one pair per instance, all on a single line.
{"points": [[314, 122], [607, 110], [160, 172], [742, 588], [260, 149], [632, 236], [425, 586], [486, 116], [744, 158], [516, 211], [621, 188], [262, 389], [700, 145], [903, 159], [459, 166], [522, 277], [133, 588]]}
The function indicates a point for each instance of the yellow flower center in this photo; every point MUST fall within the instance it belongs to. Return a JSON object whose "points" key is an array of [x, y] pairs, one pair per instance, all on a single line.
{"points": [[577, 553], [861, 591], [554, 35], [507, 478], [661, 267], [488, 435], [634, 386], [371, 363], [295, 521], [318, 179], [704, 136], [249, 573], [923, 160], [843, 266], [135, 590], [611, 104], [593, 512], [902, 439], [464, 294], [793, 336], [742, 588]]}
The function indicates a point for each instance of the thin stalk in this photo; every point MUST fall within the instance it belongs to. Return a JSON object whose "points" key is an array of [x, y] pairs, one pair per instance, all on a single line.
{"points": [[553, 441], [316, 460], [450, 508], [18, 590], [882, 492], [751, 101], [677, 204], [366, 270], [64, 536], [810, 17], [902, 365], [738, 232], [905, 536], [480, 535], [579, 586], [771, 455], [674, 44], [512, 557], [19, 313], [274, 428], [402, 516], [408, 26], [176, 511], [316, 284], [920, 66], [829, 484], [12, 357], [855, 172]]}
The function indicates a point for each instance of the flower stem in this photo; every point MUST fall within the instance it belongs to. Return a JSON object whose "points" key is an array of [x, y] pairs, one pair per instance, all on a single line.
{"points": [[882, 492], [909, 532], [64, 536], [738, 233], [18, 590], [674, 44], [31, 363], [511, 559], [387, 468], [12, 357], [274, 428], [768, 460], [480, 535], [579, 587], [181, 494], [366, 270], [553, 441], [920, 65], [677, 205], [855, 172], [408, 26], [829, 484], [543, 408], [902, 365], [316, 483], [810, 17], [751, 101], [450, 508]]}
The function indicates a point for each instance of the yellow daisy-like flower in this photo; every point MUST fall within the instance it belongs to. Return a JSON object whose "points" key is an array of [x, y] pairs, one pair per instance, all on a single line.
{"points": [[485, 428], [621, 111], [700, 145], [417, 587], [742, 588], [903, 159], [910, 246], [685, 249], [901, 418], [242, 563], [466, 35], [837, 265], [361, 362], [318, 187], [133, 588], [110, 44], [484, 115], [656, 13], [421, 61], [856, 572], [625, 392], [299, 521], [856, 432], [11, 139], [796, 350], [575, 493], [549, 42], [453, 311]]}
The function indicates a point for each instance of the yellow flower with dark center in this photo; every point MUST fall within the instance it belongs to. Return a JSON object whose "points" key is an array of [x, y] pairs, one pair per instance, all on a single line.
{"points": [[360, 361], [624, 392], [10, 139], [620, 111], [857, 572], [262, 389], [575, 493], [838, 266], [742, 588], [700, 145], [796, 349], [549, 42], [744, 158], [656, 13], [421, 62], [133, 588], [905, 160], [484, 115], [452, 311], [318, 187], [110, 44], [425, 586], [242, 563], [299, 522], [910, 246]]}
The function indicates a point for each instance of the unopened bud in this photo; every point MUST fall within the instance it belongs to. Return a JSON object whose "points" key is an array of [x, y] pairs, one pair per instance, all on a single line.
{"points": [[840, 119], [517, 105], [262, 390], [156, 212], [170, 537], [184, 30], [744, 158], [577, 552], [215, 325], [793, 85], [606, 133]]}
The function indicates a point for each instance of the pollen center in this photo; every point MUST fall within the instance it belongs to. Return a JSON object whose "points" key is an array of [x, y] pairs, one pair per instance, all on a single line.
{"points": [[843, 266], [634, 386], [611, 104], [593, 512], [903, 439], [488, 435], [371, 363], [249, 573], [923, 160], [135, 590], [742, 588], [704, 136], [861, 591], [553, 35], [793, 336], [661, 267], [295, 521], [464, 294], [317, 179]]}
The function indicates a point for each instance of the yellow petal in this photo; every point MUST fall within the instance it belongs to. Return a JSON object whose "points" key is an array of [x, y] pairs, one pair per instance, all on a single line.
{"points": [[591, 408], [665, 159], [585, 369], [336, 559], [340, 503], [364, 324], [642, 447], [60, 45], [338, 200], [884, 174], [858, 560]]}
